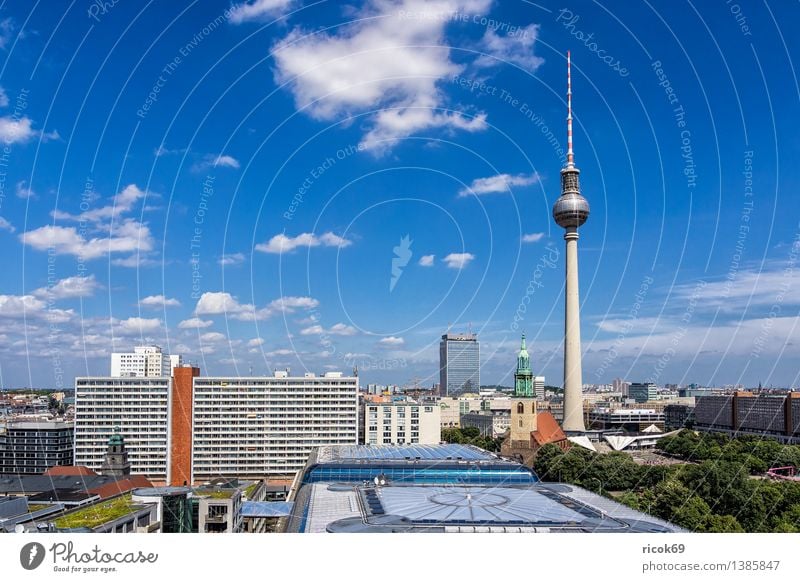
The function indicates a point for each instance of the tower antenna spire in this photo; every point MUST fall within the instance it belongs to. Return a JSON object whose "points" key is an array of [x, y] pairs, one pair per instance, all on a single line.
{"points": [[570, 155]]}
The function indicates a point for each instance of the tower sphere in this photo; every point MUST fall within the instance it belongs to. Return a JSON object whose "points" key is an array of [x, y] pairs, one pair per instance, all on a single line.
{"points": [[570, 210]]}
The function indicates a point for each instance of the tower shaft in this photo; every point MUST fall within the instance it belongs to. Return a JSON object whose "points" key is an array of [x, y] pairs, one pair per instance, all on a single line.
{"points": [[573, 373]]}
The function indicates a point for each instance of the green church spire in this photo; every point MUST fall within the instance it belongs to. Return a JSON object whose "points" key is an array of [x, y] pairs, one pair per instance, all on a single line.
{"points": [[523, 378]]}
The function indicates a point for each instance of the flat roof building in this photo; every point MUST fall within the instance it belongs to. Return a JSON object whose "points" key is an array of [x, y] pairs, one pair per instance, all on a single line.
{"points": [[445, 488], [399, 423], [30, 448]]}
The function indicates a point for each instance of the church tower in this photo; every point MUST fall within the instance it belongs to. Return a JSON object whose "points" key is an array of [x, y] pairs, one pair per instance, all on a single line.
{"points": [[523, 377], [116, 463]]}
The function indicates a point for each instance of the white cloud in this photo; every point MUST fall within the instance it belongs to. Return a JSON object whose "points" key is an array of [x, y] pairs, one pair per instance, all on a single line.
{"points": [[13, 130], [280, 352], [220, 302], [255, 342], [516, 48], [336, 329], [6, 225], [123, 202], [280, 243], [392, 341], [24, 191], [70, 287], [259, 9], [159, 301], [746, 289], [458, 260], [426, 260], [128, 236], [7, 29], [28, 306], [3, 98], [215, 161], [312, 330], [391, 57], [232, 259], [212, 337], [498, 183], [162, 151], [137, 326], [533, 237], [195, 323]]}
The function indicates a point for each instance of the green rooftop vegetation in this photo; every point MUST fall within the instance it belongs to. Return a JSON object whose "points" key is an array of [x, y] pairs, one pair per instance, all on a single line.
{"points": [[37, 506], [251, 489], [97, 514], [218, 494]]}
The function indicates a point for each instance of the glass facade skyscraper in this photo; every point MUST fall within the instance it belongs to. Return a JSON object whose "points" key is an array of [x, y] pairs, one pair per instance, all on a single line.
{"points": [[459, 364]]}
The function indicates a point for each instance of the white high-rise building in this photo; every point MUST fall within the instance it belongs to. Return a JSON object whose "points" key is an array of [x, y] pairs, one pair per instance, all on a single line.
{"points": [[252, 427], [244, 427], [143, 362], [138, 406]]}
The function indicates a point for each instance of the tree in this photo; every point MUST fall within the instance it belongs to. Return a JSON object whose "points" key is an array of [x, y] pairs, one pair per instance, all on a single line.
{"points": [[723, 524], [692, 514]]}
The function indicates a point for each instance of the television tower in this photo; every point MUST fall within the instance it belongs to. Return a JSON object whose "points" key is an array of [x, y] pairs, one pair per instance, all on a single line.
{"points": [[571, 211]]}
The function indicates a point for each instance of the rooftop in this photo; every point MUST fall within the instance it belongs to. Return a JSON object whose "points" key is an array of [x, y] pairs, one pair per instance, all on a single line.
{"points": [[435, 508], [402, 453], [98, 514]]}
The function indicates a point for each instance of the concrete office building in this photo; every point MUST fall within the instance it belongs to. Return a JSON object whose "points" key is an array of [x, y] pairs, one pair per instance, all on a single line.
{"points": [[252, 427], [30, 448], [459, 364], [143, 362], [570, 212], [399, 423], [771, 416], [189, 428], [138, 406], [643, 391]]}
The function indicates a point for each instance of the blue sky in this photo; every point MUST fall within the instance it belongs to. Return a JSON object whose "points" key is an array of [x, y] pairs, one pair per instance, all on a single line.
{"points": [[315, 185]]}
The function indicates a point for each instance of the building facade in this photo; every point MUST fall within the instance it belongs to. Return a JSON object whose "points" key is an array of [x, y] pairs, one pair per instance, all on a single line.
{"points": [[138, 407], [490, 423], [642, 391], [257, 426], [626, 419], [399, 423], [459, 364], [746, 413], [143, 362], [30, 448]]}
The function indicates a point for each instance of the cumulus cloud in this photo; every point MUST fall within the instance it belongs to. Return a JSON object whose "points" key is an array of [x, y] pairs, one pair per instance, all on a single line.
{"points": [[498, 183], [29, 306], [516, 48], [280, 243], [70, 287], [24, 191], [391, 57], [129, 236], [532, 237], [212, 337], [123, 202], [223, 303], [255, 342], [137, 326], [391, 341], [232, 259], [259, 9], [195, 323], [336, 329], [6, 225], [458, 260], [426, 260], [158, 301]]}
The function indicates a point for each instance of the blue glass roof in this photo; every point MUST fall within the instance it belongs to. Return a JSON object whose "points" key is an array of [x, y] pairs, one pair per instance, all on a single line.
{"points": [[454, 452], [266, 508]]}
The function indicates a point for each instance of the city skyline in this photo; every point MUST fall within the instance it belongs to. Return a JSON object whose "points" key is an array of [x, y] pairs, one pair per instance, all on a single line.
{"points": [[234, 196]]}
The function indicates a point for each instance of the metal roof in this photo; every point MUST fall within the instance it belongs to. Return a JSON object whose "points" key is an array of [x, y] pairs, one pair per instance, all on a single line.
{"points": [[344, 453]]}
